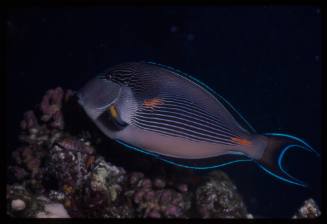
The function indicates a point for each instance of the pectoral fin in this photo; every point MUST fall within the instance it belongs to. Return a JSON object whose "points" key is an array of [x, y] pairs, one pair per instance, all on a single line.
{"points": [[112, 119]]}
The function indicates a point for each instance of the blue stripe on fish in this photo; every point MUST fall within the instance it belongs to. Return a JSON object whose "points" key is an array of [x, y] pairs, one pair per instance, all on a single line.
{"points": [[206, 87], [187, 115], [160, 157], [281, 157], [280, 177], [178, 122], [192, 111], [180, 132], [280, 171], [162, 99], [187, 121], [294, 138], [189, 106]]}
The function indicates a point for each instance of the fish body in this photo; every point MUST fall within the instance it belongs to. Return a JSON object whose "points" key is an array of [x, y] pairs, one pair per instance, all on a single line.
{"points": [[165, 113]]}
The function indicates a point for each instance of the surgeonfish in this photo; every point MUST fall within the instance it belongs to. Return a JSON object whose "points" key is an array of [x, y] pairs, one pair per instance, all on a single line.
{"points": [[162, 112]]}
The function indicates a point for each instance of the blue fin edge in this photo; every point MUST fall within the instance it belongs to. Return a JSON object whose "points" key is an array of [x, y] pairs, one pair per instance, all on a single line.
{"points": [[292, 179], [309, 148], [158, 156], [281, 166], [280, 158], [298, 182], [207, 88]]}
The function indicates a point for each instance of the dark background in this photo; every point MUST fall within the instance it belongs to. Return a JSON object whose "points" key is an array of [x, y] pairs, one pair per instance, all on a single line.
{"points": [[265, 60]]}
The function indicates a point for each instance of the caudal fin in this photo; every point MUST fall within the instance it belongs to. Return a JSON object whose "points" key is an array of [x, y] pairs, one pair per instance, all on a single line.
{"points": [[271, 160]]}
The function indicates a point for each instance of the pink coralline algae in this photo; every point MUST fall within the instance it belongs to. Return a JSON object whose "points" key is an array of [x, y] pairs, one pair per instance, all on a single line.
{"points": [[58, 172], [153, 200], [51, 107]]}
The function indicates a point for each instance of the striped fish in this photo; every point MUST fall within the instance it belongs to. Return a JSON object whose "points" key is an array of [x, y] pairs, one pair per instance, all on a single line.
{"points": [[162, 112]]}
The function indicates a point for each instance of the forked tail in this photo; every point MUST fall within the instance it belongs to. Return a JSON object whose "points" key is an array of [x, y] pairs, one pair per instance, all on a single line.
{"points": [[272, 157]]}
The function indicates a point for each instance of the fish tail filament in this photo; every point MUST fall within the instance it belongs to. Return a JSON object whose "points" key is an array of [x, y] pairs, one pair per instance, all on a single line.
{"points": [[272, 158]]}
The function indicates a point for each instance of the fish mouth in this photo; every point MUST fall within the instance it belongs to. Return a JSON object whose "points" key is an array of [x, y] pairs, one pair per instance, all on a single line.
{"points": [[97, 96]]}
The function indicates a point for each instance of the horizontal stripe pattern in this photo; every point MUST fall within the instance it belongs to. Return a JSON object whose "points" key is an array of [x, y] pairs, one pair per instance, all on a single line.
{"points": [[184, 121], [182, 103], [181, 119], [178, 132], [178, 116]]}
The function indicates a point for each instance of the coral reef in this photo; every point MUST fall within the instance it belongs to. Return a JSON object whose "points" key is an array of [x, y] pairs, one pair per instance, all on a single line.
{"points": [[309, 209], [39, 130], [57, 172], [154, 200], [102, 193], [53, 210], [218, 198], [22, 203]]}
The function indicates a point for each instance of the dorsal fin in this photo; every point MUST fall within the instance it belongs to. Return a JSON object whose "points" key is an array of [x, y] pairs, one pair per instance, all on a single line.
{"points": [[209, 90]]}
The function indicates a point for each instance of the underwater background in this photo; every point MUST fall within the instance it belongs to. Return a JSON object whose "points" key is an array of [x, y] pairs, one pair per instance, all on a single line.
{"points": [[265, 60]]}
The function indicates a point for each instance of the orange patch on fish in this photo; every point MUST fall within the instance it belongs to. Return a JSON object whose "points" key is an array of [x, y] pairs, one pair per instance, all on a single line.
{"points": [[152, 103], [241, 141]]}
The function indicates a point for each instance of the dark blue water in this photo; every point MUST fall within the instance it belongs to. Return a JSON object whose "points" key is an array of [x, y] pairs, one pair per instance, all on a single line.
{"points": [[265, 60]]}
